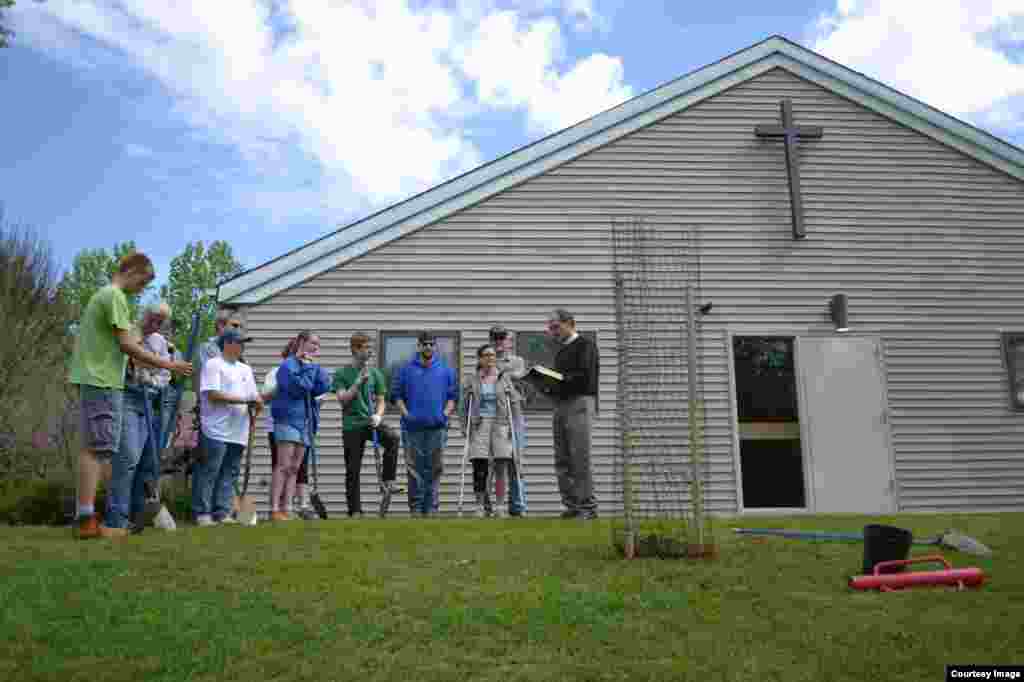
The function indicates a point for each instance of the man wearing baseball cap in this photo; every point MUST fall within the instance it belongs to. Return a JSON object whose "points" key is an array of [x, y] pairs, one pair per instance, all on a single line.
{"points": [[228, 388], [426, 392]]}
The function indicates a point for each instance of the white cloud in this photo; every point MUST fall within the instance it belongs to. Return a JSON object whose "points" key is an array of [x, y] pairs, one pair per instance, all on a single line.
{"points": [[377, 95], [515, 65], [939, 51]]}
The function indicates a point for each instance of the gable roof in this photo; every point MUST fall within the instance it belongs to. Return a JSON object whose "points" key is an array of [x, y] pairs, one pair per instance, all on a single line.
{"points": [[356, 239]]}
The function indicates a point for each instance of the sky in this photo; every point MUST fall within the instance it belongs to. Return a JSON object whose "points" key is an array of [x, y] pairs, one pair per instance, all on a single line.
{"points": [[270, 123]]}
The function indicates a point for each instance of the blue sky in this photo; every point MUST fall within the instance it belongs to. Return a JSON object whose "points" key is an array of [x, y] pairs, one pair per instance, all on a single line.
{"points": [[270, 124]]}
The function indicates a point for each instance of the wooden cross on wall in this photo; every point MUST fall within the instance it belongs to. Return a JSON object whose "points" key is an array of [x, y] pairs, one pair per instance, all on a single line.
{"points": [[790, 134]]}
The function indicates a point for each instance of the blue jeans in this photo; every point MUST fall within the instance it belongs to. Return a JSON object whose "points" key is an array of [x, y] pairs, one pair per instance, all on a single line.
{"points": [[516, 505], [213, 478], [412, 483], [148, 468], [428, 455], [135, 437]]}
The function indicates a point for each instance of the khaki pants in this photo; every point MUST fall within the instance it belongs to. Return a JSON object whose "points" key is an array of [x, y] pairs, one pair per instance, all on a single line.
{"points": [[571, 427]]}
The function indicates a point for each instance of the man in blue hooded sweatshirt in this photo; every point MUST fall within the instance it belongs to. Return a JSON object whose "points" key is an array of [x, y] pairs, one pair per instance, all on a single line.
{"points": [[426, 393]]}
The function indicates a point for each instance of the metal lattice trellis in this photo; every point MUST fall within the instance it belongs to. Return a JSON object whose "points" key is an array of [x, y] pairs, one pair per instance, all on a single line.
{"points": [[660, 403]]}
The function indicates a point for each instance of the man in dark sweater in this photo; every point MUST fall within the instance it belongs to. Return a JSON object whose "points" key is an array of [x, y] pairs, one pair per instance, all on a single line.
{"points": [[578, 361]]}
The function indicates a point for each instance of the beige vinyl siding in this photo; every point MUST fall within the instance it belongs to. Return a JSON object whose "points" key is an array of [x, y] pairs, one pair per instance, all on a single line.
{"points": [[927, 243]]}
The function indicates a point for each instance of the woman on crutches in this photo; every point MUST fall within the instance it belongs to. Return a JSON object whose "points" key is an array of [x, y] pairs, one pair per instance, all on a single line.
{"points": [[489, 428]]}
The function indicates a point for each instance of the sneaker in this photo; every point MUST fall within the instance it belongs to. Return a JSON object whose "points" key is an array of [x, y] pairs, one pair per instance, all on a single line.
{"points": [[569, 514], [113, 533], [588, 515], [87, 528], [205, 520], [357, 515], [228, 520], [279, 516], [308, 515], [501, 513], [479, 512]]}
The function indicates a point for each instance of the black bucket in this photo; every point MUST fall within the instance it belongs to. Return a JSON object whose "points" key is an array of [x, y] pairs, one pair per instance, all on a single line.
{"points": [[885, 543]]}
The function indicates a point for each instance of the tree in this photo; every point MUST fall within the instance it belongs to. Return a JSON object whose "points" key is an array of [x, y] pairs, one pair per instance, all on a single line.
{"points": [[34, 346], [91, 271], [194, 275], [5, 33]]}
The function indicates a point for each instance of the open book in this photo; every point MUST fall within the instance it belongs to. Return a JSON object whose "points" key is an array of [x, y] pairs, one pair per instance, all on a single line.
{"points": [[543, 378]]}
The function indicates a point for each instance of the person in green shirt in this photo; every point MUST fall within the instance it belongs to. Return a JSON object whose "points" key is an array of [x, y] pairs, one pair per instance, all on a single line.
{"points": [[360, 390], [104, 344]]}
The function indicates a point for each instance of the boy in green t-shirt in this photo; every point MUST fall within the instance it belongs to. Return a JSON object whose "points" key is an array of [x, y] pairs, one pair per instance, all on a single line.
{"points": [[104, 344], [361, 390]]}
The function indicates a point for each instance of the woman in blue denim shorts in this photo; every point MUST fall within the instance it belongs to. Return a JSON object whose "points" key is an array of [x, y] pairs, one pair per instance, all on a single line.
{"points": [[296, 413]]}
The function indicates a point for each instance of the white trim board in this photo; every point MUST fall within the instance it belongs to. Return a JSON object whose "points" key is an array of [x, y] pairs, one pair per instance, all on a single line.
{"points": [[359, 238]]}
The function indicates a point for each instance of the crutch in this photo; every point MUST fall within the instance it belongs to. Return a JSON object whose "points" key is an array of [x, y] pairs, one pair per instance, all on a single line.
{"points": [[517, 459], [465, 450]]}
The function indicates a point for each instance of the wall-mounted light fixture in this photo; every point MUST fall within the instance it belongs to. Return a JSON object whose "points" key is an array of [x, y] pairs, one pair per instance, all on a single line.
{"points": [[838, 312]]}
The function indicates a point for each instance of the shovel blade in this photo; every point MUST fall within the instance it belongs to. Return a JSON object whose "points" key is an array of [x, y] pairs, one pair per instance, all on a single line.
{"points": [[163, 520], [318, 505], [150, 511], [247, 515]]}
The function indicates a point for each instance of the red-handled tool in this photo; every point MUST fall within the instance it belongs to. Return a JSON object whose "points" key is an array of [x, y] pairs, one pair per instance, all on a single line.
{"points": [[959, 577]]}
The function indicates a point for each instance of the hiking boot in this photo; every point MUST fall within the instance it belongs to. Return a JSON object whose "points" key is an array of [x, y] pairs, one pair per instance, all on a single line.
{"points": [[308, 515], [205, 521], [87, 528]]}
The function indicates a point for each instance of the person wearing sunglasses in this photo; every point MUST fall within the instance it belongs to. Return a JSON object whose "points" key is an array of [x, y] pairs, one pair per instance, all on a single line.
{"points": [[426, 393], [226, 319]]}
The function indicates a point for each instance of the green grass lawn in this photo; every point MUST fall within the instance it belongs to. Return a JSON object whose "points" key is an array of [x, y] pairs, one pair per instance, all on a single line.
{"points": [[453, 600]]}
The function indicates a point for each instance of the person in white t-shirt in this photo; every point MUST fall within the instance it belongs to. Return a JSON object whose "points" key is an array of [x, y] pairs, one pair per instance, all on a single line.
{"points": [[228, 389]]}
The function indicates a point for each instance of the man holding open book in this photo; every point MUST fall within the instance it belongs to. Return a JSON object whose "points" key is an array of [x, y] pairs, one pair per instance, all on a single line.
{"points": [[573, 387]]}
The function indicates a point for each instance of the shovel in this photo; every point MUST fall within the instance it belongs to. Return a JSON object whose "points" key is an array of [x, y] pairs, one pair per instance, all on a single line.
{"points": [[153, 507], [950, 539], [245, 504]]}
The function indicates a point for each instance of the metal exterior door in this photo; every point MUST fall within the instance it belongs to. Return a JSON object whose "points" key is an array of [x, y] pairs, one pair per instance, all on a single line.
{"points": [[847, 425]]}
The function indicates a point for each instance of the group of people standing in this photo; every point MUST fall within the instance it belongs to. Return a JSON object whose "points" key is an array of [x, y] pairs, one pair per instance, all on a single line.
{"points": [[119, 398]]}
